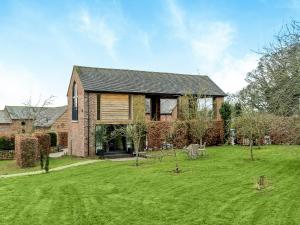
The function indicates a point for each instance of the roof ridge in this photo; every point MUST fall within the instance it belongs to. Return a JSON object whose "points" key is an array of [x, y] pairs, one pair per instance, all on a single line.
{"points": [[146, 71]]}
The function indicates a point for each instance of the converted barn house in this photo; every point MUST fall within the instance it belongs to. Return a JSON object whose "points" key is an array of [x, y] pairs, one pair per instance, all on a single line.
{"points": [[99, 99]]}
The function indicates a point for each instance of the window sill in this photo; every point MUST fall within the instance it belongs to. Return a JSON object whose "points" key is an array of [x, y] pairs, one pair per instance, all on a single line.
{"points": [[74, 121]]}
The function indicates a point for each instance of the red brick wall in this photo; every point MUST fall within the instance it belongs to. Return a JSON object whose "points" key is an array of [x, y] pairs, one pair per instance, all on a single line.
{"points": [[76, 139]]}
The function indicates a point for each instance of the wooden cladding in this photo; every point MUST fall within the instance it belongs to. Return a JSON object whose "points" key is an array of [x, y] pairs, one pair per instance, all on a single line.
{"points": [[112, 107]]}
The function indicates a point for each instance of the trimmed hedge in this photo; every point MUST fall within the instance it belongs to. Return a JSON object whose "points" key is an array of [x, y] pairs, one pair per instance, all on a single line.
{"points": [[180, 133], [63, 139], [158, 132], [285, 130], [43, 144], [53, 138], [26, 150], [7, 143]]}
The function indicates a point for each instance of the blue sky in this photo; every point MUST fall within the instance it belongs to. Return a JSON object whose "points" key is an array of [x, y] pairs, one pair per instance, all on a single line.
{"points": [[41, 40]]}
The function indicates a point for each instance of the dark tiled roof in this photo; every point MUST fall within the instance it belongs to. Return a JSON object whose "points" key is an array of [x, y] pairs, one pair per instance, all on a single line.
{"points": [[132, 81], [45, 116], [4, 117]]}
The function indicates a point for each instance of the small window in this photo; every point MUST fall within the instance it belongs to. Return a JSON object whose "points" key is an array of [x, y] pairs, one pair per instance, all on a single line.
{"points": [[23, 123], [75, 102], [98, 106]]}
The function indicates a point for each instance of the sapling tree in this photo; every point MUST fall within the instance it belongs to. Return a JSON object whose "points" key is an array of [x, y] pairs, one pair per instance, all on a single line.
{"points": [[135, 131], [196, 110], [251, 124]]}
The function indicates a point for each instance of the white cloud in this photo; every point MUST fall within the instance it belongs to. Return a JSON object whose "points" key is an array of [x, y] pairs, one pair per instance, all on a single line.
{"points": [[230, 76], [98, 30], [19, 84], [210, 43]]}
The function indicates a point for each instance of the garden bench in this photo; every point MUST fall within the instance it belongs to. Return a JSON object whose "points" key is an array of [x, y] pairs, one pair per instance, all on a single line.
{"points": [[193, 151]]}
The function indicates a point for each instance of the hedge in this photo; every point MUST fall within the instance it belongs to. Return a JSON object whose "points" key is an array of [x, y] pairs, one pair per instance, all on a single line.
{"points": [[43, 143], [63, 139], [158, 132], [7, 143], [284, 130], [26, 150]]}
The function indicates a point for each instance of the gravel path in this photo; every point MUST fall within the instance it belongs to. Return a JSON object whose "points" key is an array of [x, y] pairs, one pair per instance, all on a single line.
{"points": [[51, 170]]}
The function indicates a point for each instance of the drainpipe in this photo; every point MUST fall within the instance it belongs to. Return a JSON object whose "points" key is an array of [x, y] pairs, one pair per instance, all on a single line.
{"points": [[88, 124]]}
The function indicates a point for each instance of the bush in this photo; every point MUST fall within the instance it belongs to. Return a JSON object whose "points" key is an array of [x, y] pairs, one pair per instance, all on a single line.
{"points": [[157, 132], [7, 143], [26, 150], [53, 139], [63, 139], [180, 132], [43, 149], [43, 143], [214, 134], [284, 130]]}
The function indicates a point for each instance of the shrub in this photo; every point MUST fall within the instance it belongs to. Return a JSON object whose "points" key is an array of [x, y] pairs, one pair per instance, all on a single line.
{"points": [[180, 132], [26, 150], [284, 130], [53, 138], [157, 133], [7, 143], [63, 139], [44, 143], [215, 133], [43, 149]]}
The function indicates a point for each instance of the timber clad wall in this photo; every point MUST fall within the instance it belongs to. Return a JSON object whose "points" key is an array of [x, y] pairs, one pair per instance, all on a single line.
{"points": [[114, 107]]}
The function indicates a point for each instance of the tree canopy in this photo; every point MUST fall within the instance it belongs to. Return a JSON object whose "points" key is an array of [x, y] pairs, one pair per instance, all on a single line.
{"points": [[274, 86]]}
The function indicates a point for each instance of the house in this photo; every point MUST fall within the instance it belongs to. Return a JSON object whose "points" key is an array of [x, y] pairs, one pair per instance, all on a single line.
{"points": [[19, 119], [99, 100]]}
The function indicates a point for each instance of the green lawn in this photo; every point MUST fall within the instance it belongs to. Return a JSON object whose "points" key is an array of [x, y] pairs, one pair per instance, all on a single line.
{"points": [[10, 166], [218, 190]]}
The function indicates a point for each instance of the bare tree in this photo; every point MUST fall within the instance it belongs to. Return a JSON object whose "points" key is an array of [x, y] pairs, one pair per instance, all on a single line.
{"points": [[197, 111], [251, 124], [36, 112], [135, 131]]}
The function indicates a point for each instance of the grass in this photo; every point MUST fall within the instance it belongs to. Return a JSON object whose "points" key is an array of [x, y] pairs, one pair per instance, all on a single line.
{"points": [[217, 190], [10, 166]]}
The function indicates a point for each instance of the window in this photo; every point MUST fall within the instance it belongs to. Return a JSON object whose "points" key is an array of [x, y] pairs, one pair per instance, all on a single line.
{"points": [[98, 106], [23, 123], [205, 103], [74, 102]]}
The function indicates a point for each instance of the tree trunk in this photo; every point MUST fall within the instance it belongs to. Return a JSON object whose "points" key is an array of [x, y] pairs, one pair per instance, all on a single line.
{"points": [[251, 150]]}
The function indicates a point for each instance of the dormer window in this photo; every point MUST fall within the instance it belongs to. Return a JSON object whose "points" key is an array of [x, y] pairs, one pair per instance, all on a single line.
{"points": [[75, 102]]}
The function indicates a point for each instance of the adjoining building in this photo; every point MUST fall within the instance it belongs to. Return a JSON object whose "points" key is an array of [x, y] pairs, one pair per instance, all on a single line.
{"points": [[19, 119]]}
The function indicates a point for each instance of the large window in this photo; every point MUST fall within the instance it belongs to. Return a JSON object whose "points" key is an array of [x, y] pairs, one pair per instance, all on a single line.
{"points": [[75, 102]]}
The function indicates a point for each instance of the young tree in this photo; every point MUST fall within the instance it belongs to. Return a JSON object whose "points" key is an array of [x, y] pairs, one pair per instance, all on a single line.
{"points": [[225, 112], [136, 131], [252, 125]]}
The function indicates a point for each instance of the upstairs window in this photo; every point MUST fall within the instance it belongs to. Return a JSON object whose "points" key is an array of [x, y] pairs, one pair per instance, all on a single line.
{"points": [[205, 103], [75, 102]]}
